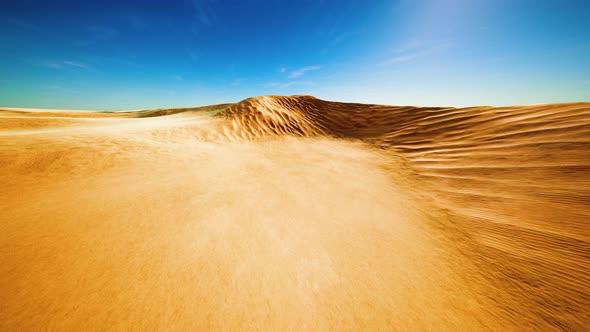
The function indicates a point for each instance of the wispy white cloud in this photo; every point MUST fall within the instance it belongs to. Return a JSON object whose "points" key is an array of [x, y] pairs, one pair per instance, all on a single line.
{"points": [[63, 64], [413, 51], [299, 72], [402, 58], [410, 46], [348, 35], [284, 85], [76, 64], [204, 15], [283, 69]]}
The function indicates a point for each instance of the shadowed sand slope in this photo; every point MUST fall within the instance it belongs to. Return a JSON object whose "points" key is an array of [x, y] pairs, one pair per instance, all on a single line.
{"points": [[294, 213]]}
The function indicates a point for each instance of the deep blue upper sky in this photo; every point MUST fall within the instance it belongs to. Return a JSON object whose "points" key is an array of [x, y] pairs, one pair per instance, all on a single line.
{"points": [[147, 54]]}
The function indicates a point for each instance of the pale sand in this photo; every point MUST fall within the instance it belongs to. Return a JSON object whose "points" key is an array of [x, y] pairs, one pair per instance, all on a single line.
{"points": [[293, 213]]}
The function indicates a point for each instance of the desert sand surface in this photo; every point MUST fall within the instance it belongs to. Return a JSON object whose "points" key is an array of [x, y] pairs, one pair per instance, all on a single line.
{"points": [[295, 213]]}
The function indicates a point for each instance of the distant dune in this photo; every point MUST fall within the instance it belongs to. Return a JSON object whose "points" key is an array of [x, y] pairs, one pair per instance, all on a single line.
{"points": [[295, 213]]}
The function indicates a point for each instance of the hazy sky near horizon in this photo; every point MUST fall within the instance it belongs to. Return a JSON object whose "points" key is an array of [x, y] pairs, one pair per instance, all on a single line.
{"points": [[123, 54]]}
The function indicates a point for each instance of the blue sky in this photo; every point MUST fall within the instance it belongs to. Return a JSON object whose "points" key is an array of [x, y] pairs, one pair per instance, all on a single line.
{"points": [[110, 55]]}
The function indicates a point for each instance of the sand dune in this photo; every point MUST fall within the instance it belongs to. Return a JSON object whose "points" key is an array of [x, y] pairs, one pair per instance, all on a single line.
{"points": [[295, 213]]}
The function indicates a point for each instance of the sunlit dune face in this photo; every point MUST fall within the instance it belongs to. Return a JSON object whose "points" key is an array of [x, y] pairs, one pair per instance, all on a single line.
{"points": [[294, 213]]}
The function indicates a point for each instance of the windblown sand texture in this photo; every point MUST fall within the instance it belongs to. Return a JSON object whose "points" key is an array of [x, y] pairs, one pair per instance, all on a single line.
{"points": [[294, 213]]}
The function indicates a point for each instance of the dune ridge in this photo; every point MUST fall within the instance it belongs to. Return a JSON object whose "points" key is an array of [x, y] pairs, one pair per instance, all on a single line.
{"points": [[371, 216], [503, 172]]}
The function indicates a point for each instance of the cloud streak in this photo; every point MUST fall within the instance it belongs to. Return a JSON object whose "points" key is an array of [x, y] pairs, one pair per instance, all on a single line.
{"points": [[289, 84], [204, 15], [413, 52], [299, 72], [63, 64]]}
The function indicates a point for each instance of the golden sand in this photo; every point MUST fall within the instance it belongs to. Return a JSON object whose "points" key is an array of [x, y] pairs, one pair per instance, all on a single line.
{"points": [[294, 213]]}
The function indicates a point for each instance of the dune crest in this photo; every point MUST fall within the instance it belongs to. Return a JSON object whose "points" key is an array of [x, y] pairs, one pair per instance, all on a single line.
{"points": [[294, 212]]}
